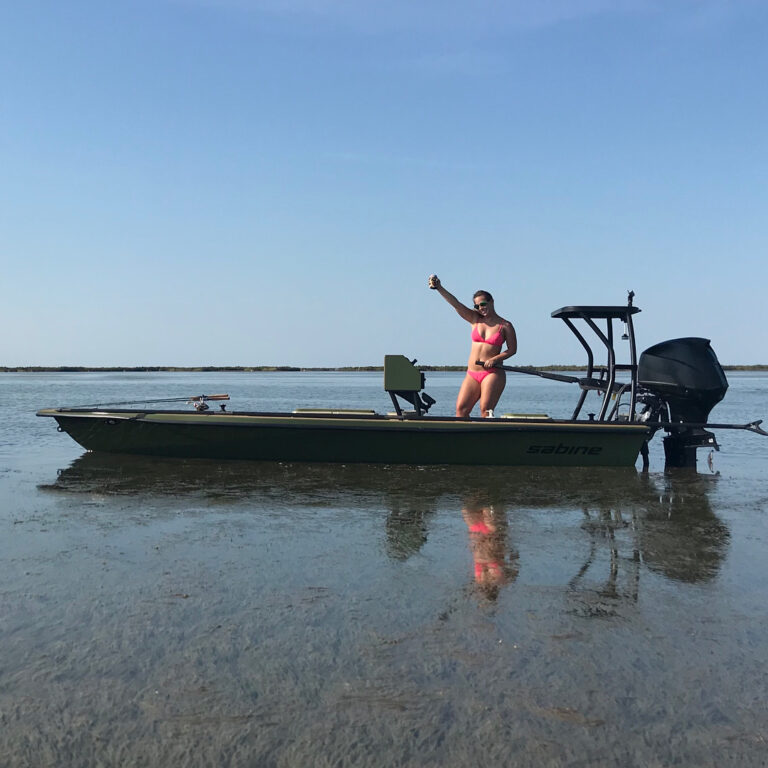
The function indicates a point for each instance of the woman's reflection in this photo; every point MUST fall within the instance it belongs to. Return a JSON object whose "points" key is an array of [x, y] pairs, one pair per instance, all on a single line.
{"points": [[631, 523], [494, 566]]}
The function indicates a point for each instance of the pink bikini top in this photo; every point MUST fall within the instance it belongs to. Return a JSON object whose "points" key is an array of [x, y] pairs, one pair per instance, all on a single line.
{"points": [[496, 340]]}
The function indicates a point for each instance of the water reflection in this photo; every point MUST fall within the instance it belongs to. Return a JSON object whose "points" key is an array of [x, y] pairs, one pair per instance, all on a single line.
{"points": [[680, 534], [494, 562], [610, 573], [628, 522], [407, 525], [667, 526]]}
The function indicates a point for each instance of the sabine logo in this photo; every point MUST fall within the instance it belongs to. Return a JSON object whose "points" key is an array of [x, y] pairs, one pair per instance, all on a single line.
{"points": [[567, 450]]}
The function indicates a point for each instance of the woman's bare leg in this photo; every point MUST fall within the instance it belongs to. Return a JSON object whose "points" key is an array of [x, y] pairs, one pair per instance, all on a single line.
{"points": [[469, 394], [491, 388]]}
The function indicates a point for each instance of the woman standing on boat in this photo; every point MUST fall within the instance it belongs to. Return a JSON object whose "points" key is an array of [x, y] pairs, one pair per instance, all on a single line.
{"points": [[490, 332]]}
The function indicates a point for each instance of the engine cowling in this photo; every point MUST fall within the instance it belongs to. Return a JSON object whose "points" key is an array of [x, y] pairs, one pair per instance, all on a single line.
{"points": [[685, 378], [685, 374]]}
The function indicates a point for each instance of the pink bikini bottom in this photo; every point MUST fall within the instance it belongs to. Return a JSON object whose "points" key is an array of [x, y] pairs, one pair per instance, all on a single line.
{"points": [[478, 376]]}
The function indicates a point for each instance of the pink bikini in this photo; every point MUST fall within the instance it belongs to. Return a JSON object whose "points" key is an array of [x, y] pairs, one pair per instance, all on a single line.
{"points": [[478, 376], [495, 341], [481, 527]]}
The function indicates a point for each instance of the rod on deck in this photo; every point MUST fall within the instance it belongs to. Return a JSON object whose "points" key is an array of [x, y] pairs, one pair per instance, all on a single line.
{"points": [[192, 399]]}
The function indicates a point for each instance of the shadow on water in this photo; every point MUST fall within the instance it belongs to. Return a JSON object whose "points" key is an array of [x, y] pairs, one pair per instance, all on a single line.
{"points": [[663, 522]]}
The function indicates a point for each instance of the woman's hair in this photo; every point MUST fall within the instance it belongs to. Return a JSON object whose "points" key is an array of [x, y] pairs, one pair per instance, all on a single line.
{"points": [[483, 293]]}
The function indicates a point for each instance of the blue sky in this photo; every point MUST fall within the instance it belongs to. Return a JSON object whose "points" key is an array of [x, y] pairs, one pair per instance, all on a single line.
{"points": [[262, 182]]}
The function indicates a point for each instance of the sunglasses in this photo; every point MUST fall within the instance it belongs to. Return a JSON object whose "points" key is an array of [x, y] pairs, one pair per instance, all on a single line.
{"points": [[481, 304]]}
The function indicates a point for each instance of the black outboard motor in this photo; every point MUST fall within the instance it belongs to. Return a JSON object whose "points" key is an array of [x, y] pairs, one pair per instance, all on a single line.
{"points": [[683, 377]]}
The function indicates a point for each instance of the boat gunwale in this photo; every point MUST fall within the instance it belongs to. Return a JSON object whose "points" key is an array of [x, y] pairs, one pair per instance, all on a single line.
{"points": [[317, 420]]}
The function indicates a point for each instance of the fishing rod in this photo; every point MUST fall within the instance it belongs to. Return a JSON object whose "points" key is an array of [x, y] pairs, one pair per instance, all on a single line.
{"points": [[530, 372], [195, 399]]}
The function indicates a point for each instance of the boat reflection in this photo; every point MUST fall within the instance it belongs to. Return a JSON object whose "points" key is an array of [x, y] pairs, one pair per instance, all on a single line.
{"points": [[406, 526], [680, 534], [668, 528], [626, 522]]}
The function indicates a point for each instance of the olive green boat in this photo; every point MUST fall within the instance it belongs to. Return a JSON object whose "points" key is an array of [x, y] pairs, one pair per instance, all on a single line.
{"points": [[353, 437], [677, 383]]}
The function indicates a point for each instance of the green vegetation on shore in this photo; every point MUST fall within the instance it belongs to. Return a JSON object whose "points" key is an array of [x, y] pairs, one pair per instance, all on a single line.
{"points": [[281, 368]]}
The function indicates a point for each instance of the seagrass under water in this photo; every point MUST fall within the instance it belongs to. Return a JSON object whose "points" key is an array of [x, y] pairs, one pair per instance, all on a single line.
{"points": [[243, 613]]}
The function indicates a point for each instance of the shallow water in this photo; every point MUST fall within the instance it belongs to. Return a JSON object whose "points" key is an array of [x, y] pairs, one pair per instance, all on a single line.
{"points": [[169, 612]]}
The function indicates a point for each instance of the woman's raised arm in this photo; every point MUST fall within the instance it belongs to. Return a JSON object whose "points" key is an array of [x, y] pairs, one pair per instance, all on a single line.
{"points": [[470, 315]]}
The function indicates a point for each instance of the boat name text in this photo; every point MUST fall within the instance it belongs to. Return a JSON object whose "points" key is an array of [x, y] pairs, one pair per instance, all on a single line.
{"points": [[570, 450]]}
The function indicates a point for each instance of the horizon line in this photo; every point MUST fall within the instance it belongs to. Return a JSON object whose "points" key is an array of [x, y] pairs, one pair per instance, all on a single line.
{"points": [[285, 368]]}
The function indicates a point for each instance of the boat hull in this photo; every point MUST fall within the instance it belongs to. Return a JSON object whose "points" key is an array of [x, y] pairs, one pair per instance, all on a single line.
{"points": [[348, 439]]}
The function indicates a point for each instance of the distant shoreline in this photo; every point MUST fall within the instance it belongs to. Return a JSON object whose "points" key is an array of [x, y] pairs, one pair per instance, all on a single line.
{"points": [[283, 368]]}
